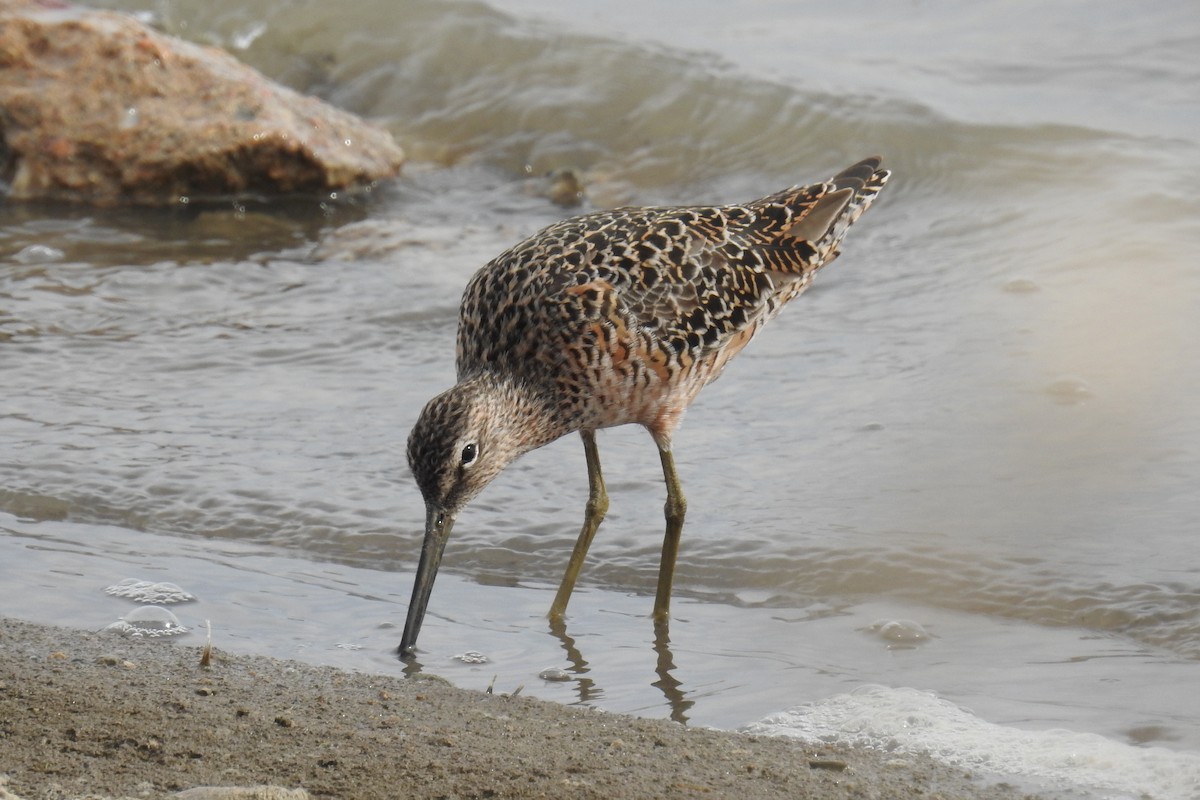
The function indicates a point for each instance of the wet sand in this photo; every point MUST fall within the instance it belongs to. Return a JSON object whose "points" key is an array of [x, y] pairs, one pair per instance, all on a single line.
{"points": [[97, 716]]}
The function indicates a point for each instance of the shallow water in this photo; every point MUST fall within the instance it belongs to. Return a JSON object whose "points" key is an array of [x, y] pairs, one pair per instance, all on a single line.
{"points": [[981, 419]]}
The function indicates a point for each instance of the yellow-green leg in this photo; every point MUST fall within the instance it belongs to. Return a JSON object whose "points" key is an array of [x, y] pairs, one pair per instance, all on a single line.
{"points": [[597, 507], [675, 509]]}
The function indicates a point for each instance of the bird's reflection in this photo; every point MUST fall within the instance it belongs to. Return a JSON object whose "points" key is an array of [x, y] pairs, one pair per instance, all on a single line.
{"points": [[667, 683], [585, 687], [412, 667]]}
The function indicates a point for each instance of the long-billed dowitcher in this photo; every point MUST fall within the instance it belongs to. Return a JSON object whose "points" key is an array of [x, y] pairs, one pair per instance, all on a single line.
{"points": [[605, 319]]}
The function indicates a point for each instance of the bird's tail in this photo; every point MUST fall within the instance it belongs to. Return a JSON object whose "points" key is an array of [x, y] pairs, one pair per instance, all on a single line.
{"points": [[823, 212]]}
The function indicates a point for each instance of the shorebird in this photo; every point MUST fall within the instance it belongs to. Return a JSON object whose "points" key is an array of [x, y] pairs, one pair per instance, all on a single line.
{"points": [[610, 318]]}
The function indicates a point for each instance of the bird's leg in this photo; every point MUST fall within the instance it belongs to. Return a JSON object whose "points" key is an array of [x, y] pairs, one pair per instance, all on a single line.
{"points": [[675, 509], [597, 507]]}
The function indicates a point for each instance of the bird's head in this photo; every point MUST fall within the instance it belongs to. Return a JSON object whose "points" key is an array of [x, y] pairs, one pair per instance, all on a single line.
{"points": [[458, 446], [463, 439]]}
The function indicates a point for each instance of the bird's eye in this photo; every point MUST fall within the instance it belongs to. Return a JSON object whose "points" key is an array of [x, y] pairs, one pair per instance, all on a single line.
{"points": [[469, 453]]}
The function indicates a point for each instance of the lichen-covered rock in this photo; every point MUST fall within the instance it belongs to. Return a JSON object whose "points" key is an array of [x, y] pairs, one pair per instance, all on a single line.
{"points": [[97, 108]]}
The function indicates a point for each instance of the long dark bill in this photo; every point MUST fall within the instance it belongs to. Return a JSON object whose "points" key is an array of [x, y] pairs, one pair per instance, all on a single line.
{"points": [[437, 530]]}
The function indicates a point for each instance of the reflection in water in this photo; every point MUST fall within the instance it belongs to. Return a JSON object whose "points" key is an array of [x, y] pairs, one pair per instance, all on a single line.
{"points": [[412, 667], [587, 691], [585, 687], [667, 683]]}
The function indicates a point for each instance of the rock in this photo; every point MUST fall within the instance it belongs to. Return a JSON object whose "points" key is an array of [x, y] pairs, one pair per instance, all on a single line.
{"points": [[97, 108]]}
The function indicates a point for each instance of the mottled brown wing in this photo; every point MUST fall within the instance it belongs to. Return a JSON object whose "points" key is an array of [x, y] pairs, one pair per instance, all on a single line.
{"points": [[699, 276], [692, 277]]}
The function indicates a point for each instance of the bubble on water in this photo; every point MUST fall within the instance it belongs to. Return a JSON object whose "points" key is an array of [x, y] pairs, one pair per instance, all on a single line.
{"points": [[1068, 391], [243, 39], [148, 622], [471, 657], [38, 254], [161, 593], [755, 597], [554, 674], [1021, 286], [899, 633]]}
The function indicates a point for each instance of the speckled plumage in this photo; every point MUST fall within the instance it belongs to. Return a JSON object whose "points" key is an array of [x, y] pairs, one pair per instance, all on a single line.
{"points": [[617, 317]]}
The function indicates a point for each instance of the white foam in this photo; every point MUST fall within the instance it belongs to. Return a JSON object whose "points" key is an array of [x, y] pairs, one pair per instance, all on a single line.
{"points": [[912, 721]]}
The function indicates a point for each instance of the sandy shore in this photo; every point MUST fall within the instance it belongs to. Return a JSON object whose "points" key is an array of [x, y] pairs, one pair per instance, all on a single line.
{"points": [[94, 715]]}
